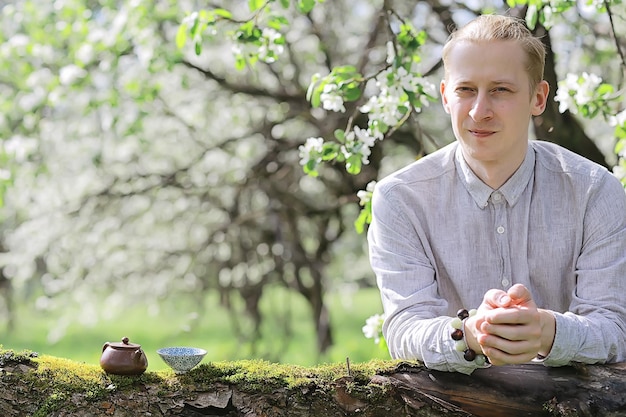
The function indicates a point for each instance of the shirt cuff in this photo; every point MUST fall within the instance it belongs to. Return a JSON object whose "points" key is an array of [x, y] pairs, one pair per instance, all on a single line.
{"points": [[562, 350]]}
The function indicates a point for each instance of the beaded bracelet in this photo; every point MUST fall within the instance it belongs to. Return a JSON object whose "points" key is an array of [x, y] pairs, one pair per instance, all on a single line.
{"points": [[458, 334]]}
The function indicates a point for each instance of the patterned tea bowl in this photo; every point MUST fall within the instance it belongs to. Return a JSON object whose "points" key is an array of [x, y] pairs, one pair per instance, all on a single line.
{"points": [[181, 359]]}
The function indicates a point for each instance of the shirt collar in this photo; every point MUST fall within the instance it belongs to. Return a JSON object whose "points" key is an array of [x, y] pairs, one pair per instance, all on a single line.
{"points": [[511, 190]]}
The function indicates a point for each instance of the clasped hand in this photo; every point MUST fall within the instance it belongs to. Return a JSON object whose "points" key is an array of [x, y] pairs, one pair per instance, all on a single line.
{"points": [[509, 328]]}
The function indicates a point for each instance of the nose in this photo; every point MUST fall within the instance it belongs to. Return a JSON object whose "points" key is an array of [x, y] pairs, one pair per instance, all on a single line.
{"points": [[481, 108]]}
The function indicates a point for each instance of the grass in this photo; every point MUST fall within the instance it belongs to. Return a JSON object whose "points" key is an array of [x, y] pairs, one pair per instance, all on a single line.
{"points": [[212, 331]]}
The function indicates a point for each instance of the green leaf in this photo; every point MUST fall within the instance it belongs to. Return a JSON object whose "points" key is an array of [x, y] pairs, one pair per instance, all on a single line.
{"points": [[353, 164], [277, 22], [365, 217], [409, 38], [421, 37], [255, 5], [604, 89], [352, 94], [249, 32], [346, 71], [305, 6], [314, 80], [240, 63], [316, 94], [284, 3], [310, 168], [340, 135], [329, 151], [181, 35], [223, 13], [198, 48]]}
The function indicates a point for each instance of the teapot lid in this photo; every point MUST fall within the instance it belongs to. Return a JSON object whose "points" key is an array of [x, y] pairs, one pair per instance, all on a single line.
{"points": [[124, 344]]}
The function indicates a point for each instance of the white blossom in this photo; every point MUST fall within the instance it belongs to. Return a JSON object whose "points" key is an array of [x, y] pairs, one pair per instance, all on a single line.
{"points": [[331, 98], [373, 327], [364, 136], [20, 148], [269, 48], [365, 196], [19, 41], [575, 91], [29, 101], [69, 74], [358, 141], [385, 108], [85, 53], [40, 77], [548, 17], [44, 52], [619, 119], [585, 92], [311, 146], [620, 172]]}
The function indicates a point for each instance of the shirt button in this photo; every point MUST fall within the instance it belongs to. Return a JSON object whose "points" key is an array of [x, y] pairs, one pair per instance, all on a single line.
{"points": [[496, 197], [500, 229], [505, 282]]}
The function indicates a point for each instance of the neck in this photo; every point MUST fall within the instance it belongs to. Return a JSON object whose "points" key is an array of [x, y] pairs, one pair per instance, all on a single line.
{"points": [[496, 173], [494, 177]]}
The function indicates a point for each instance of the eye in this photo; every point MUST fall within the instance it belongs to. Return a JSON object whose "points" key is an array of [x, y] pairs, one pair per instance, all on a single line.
{"points": [[502, 90], [464, 90]]}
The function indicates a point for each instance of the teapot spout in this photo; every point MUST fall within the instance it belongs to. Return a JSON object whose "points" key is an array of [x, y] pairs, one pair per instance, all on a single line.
{"points": [[140, 358]]}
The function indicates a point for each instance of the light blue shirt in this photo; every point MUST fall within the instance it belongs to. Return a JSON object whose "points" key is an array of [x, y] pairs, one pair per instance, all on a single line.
{"points": [[440, 238]]}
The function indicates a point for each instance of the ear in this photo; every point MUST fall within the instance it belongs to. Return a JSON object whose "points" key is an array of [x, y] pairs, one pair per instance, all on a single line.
{"points": [[540, 98], [444, 100]]}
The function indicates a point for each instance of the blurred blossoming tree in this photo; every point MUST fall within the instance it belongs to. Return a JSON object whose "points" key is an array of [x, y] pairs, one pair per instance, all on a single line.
{"points": [[151, 149]]}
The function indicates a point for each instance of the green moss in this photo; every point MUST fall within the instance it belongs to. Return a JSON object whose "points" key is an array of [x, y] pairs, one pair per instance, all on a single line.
{"points": [[10, 356], [263, 376], [57, 378]]}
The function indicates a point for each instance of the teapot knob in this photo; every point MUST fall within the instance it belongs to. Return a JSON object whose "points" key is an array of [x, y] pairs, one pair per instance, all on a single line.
{"points": [[125, 340]]}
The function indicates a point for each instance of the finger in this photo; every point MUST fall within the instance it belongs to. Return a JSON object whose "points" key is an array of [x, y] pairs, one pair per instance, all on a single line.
{"points": [[497, 357], [520, 295], [495, 298], [516, 315], [508, 351], [518, 332]]}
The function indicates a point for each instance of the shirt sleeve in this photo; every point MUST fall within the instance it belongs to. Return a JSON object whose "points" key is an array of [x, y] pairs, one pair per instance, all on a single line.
{"points": [[594, 328], [415, 326]]}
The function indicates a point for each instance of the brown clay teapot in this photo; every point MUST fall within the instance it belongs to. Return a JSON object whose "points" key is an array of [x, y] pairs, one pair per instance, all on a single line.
{"points": [[123, 358]]}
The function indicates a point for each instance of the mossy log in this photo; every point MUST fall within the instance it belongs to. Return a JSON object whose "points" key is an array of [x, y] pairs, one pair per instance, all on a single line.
{"points": [[36, 386]]}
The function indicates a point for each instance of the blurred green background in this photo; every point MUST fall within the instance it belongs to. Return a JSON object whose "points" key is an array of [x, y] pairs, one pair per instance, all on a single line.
{"points": [[213, 331]]}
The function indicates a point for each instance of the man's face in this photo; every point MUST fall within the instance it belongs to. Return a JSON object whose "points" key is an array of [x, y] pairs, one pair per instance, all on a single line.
{"points": [[487, 94]]}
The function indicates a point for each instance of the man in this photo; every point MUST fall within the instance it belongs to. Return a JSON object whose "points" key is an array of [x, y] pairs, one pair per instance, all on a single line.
{"points": [[530, 233]]}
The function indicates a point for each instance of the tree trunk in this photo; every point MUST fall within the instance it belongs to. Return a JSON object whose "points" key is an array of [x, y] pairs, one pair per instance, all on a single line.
{"points": [[55, 387]]}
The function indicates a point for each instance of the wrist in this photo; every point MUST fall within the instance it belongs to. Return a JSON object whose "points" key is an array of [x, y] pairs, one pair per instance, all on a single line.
{"points": [[548, 331], [470, 335]]}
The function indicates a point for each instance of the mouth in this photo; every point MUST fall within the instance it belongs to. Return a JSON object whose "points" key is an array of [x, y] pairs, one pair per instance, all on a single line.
{"points": [[481, 133]]}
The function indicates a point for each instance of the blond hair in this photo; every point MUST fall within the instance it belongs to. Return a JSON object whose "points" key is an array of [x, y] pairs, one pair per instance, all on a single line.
{"points": [[503, 28]]}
